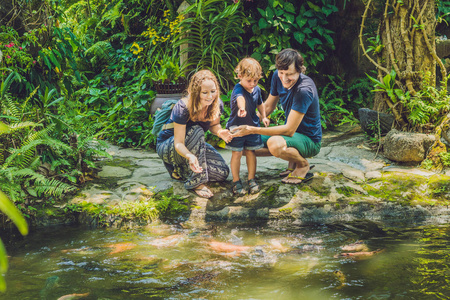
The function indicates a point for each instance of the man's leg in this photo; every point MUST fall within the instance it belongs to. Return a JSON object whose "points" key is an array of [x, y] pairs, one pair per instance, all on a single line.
{"points": [[278, 148]]}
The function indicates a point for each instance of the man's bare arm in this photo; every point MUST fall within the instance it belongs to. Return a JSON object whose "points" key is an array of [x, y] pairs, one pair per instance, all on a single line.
{"points": [[271, 104], [288, 129]]}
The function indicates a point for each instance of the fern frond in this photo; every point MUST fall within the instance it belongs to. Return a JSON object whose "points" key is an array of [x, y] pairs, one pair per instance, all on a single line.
{"points": [[52, 187], [23, 156], [101, 53], [38, 135], [10, 106], [18, 126]]}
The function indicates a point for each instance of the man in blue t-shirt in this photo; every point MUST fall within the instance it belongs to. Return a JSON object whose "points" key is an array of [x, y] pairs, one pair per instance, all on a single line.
{"points": [[300, 137]]}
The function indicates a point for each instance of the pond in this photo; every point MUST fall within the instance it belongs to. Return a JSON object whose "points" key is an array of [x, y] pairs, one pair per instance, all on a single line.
{"points": [[347, 261]]}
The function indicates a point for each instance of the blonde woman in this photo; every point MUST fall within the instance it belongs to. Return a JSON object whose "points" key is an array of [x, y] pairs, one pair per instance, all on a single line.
{"points": [[181, 145]]}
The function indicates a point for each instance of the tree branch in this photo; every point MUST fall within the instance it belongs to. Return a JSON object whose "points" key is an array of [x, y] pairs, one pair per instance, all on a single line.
{"points": [[361, 40], [409, 53]]}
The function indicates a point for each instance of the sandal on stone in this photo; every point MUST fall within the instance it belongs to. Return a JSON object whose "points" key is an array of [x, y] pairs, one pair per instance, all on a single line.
{"points": [[203, 192], [253, 186], [291, 179], [238, 189], [286, 172], [289, 170]]}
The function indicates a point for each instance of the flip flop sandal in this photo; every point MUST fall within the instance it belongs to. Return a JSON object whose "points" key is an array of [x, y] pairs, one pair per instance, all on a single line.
{"points": [[286, 172], [307, 177], [253, 186], [202, 190], [289, 170], [238, 189]]}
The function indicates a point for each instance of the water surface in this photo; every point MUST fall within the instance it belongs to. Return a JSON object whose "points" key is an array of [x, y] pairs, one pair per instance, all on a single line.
{"points": [[169, 262]]}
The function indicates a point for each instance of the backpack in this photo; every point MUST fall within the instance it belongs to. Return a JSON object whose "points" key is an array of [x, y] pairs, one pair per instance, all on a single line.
{"points": [[162, 115]]}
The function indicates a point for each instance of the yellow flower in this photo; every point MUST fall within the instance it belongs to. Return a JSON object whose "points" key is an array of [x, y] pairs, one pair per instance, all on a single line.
{"points": [[135, 48]]}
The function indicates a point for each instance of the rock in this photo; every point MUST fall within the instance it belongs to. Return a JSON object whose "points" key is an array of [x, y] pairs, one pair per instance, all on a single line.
{"points": [[406, 146], [109, 171], [373, 175], [353, 174], [443, 48], [367, 117]]}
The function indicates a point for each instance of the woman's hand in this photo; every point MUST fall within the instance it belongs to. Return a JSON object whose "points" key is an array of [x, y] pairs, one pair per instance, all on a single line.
{"points": [[225, 135], [193, 163]]}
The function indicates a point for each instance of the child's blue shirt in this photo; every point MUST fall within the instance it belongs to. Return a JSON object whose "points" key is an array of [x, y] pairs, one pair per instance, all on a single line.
{"points": [[252, 100]]}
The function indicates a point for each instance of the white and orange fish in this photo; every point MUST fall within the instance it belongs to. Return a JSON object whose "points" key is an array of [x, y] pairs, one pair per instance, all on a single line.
{"points": [[73, 296]]}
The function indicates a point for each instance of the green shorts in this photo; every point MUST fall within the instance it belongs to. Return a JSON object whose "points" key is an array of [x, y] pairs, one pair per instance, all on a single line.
{"points": [[305, 146]]}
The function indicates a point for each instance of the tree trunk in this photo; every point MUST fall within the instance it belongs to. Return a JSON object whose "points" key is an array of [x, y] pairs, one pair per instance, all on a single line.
{"points": [[407, 33]]}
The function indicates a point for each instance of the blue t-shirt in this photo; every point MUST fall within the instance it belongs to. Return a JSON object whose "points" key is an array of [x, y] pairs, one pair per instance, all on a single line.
{"points": [[252, 100], [303, 98], [180, 115]]}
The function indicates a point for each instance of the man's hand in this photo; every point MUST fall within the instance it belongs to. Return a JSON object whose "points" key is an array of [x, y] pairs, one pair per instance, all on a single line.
{"points": [[242, 131], [242, 112], [193, 163], [266, 122]]}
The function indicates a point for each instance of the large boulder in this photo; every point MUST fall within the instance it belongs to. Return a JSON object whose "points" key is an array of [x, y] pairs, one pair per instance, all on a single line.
{"points": [[406, 146], [368, 118]]}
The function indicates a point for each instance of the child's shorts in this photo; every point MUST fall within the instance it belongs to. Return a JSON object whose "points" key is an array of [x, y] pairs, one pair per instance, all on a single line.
{"points": [[248, 142]]}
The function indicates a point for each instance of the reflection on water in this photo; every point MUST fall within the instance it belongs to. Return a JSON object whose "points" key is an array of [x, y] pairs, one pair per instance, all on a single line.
{"points": [[168, 262]]}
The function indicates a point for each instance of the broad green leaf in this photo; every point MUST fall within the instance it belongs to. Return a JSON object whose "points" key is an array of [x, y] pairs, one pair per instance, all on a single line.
{"points": [[269, 13], [3, 266], [3, 260], [263, 24], [47, 62], [387, 80], [290, 18], [8, 208], [301, 21], [329, 39], [311, 43], [312, 23], [309, 13], [262, 12], [4, 128], [313, 6], [299, 37], [127, 102], [54, 60], [289, 7]]}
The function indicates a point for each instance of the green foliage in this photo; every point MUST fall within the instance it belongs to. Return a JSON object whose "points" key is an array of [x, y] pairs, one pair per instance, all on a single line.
{"points": [[427, 164], [375, 137], [213, 31], [163, 205], [427, 106], [8, 208], [167, 69], [445, 158], [340, 101], [443, 12], [375, 45], [170, 205], [289, 24]]}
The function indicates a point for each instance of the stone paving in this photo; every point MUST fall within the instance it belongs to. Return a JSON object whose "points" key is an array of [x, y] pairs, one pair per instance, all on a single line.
{"points": [[344, 169]]}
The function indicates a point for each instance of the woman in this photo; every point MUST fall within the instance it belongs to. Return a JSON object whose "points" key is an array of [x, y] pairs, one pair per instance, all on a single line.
{"points": [[181, 144]]}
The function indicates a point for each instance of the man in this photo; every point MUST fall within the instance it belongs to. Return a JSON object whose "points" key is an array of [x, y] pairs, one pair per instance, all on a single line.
{"points": [[300, 137]]}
